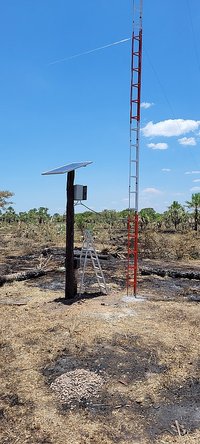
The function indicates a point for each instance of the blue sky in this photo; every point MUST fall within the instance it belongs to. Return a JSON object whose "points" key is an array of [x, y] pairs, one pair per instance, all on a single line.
{"points": [[78, 109]]}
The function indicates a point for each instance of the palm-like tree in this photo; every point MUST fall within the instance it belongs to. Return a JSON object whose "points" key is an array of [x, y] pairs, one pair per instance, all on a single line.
{"points": [[175, 213], [195, 204], [23, 216], [147, 215], [10, 215], [43, 215], [57, 217], [32, 215]]}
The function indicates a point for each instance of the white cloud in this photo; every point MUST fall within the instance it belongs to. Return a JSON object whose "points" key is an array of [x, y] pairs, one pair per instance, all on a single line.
{"points": [[158, 146], [193, 172], [146, 105], [188, 141], [195, 189], [171, 127], [152, 191], [196, 180], [167, 170]]}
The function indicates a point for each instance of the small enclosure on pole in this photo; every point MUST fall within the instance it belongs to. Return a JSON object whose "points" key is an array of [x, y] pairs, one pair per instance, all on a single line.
{"points": [[70, 279]]}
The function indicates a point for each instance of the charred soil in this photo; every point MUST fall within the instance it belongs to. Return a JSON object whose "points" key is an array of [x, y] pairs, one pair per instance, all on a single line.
{"points": [[144, 354]]}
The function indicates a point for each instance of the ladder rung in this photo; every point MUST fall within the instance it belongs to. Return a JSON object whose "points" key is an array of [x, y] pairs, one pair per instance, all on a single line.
{"points": [[88, 252]]}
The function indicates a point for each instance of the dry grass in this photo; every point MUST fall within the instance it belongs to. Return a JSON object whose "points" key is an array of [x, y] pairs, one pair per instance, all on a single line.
{"points": [[161, 341], [147, 353], [170, 246]]}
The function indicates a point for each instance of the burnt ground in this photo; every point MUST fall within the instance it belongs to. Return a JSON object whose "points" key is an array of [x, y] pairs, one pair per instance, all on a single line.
{"points": [[147, 353], [114, 268]]}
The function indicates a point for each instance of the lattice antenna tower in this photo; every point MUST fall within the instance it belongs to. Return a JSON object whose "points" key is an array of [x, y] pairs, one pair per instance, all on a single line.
{"points": [[135, 102]]}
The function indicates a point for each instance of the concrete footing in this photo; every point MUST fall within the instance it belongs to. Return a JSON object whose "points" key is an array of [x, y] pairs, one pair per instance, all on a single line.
{"points": [[130, 299]]}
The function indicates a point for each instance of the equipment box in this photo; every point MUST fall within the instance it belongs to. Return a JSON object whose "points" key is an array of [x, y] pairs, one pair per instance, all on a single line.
{"points": [[80, 192]]}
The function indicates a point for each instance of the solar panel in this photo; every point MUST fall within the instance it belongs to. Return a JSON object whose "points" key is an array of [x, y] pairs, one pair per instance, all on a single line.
{"points": [[66, 168]]}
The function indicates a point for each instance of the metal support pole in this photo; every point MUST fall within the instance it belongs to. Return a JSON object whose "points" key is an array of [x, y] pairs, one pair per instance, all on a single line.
{"points": [[135, 102], [70, 280]]}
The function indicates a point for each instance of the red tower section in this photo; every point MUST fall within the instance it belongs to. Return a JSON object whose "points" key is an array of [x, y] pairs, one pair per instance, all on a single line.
{"points": [[135, 102]]}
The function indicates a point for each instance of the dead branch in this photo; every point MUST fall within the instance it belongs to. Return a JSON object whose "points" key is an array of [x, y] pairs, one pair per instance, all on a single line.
{"points": [[24, 275], [145, 271]]}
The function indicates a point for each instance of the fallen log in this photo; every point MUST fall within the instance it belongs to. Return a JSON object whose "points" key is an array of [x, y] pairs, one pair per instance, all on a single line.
{"points": [[31, 274], [146, 271], [23, 275], [77, 254]]}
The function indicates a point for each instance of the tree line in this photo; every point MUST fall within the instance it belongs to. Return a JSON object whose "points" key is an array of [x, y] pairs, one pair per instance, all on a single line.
{"points": [[177, 216]]}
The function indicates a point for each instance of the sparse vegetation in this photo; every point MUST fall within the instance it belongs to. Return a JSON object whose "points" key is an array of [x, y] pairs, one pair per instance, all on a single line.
{"points": [[195, 204], [146, 354], [175, 218]]}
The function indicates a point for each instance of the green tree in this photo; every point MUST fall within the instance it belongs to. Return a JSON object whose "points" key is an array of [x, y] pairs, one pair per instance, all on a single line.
{"points": [[38, 216], [10, 215], [147, 215], [109, 217], [158, 220], [123, 213], [42, 215], [32, 215], [195, 204], [122, 217], [80, 221], [175, 213], [85, 220], [57, 217], [4, 195], [23, 216]]}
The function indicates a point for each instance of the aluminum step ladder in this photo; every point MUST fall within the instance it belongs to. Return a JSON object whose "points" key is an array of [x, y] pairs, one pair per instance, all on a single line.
{"points": [[88, 252]]}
